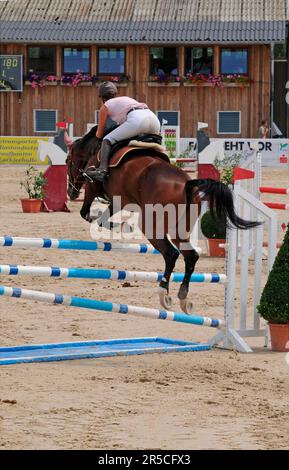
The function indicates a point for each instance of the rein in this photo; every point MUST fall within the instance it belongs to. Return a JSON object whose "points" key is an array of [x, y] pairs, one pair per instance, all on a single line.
{"points": [[72, 166]]}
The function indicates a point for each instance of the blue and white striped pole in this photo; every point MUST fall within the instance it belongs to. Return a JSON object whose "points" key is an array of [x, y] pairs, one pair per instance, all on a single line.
{"points": [[110, 274], [62, 244], [109, 306]]}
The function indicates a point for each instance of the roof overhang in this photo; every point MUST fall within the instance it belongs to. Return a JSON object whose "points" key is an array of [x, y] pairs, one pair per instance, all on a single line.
{"points": [[143, 32]]}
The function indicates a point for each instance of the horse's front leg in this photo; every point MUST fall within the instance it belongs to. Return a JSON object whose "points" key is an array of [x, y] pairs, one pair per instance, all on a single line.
{"points": [[91, 191]]}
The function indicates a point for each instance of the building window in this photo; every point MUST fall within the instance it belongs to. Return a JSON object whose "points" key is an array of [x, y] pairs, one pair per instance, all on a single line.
{"points": [[164, 61], [45, 120], [111, 60], [168, 118], [229, 122], [41, 59], [109, 122], [234, 61], [280, 51], [199, 60], [76, 59]]}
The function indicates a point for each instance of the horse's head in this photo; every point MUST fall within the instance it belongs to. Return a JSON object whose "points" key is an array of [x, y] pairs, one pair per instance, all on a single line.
{"points": [[79, 153], [75, 166]]}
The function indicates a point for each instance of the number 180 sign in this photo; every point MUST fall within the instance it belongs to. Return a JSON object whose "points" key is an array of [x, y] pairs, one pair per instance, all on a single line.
{"points": [[11, 73]]}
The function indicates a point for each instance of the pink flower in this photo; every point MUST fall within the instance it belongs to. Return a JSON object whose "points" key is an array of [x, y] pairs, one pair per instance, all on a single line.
{"points": [[51, 78]]}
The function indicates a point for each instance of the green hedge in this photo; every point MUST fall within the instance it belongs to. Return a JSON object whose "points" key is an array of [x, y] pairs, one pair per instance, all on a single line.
{"points": [[274, 302], [212, 227]]}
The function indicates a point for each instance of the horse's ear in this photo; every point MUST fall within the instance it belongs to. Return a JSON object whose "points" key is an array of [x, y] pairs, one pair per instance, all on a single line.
{"points": [[67, 140]]}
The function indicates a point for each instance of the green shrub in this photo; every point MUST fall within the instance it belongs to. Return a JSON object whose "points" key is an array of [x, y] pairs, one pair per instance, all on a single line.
{"points": [[212, 227], [274, 302], [34, 183], [226, 166]]}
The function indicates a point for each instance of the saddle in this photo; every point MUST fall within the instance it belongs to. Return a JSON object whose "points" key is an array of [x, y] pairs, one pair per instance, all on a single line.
{"points": [[139, 145]]}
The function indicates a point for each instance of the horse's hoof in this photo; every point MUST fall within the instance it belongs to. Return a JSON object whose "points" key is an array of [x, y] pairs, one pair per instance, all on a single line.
{"points": [[187, 306], [166, 300]]}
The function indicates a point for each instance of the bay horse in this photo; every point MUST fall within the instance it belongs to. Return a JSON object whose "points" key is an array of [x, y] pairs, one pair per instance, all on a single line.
{"points": [[145, 180]]}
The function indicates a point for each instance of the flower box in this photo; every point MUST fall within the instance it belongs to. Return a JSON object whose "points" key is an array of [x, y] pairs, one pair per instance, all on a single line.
{"points": [[217, 81], [46, 83], [170, 84], [117, 84], [236, 85], [221, 85], [85, 84], [69, 84], [200, 84]]}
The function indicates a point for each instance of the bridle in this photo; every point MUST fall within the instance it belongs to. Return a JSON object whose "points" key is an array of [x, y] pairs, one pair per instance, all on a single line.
{"points": [[72, 180], [81, 172]]}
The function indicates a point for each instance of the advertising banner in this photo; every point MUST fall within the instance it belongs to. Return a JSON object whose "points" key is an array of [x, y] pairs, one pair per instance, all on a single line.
{"points": [[171, 138], [275, 152], [22, 151]]}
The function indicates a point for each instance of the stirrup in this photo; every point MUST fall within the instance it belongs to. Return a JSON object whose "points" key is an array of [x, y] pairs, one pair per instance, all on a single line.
{"points": [[96, 174], [99, 175]]}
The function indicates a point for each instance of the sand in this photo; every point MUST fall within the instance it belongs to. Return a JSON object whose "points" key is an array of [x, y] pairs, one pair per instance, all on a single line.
{"points": [[203, 400]]}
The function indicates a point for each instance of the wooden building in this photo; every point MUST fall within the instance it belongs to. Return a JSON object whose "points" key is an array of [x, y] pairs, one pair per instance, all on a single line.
{"points": [[190, 60]]}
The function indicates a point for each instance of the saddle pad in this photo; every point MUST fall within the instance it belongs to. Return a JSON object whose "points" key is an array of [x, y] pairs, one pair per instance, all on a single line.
{"points": [[129, 152], [152, 145]]}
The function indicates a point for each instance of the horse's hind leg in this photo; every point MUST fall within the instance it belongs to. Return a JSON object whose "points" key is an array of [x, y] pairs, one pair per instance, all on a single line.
{"points": [[170, 255], [191, 257]]}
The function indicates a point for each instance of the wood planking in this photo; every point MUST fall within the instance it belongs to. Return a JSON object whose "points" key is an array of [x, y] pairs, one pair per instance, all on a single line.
{"points": [[194, 103]]}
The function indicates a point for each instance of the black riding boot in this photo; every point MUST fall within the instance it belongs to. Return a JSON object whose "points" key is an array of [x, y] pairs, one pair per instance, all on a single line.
{"points": [[101, 172]]}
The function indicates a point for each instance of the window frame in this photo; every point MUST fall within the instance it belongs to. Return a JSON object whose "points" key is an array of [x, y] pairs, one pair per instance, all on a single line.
{"points": [[280, 59], [229, 133], [42, 46], [117, 74], [34, 121], [235, 48], [164, 47], [75, 47], [200, 46], [168, 111]]}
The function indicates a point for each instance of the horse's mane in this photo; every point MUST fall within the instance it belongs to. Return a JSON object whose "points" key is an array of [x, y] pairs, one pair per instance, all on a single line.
{"points": [[82, 141], [88, 143]]}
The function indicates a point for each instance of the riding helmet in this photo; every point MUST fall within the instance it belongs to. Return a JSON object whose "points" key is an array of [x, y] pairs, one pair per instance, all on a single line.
{"points": [[107, 90]]}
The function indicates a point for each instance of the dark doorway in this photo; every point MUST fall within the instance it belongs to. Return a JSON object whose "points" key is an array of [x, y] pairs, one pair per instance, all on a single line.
{"points": [[279, 95]]}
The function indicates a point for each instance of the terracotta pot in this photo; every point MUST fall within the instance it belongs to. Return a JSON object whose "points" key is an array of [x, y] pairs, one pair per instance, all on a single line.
{"points": [[31, 205], [279, 337], [214, 248]]}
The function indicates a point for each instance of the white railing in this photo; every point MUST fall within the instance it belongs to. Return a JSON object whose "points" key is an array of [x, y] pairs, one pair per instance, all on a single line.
{"points": [[244, 321]]}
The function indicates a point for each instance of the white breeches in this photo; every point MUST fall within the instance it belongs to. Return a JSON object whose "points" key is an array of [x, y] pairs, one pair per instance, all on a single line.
{"points": [[139, 121]]}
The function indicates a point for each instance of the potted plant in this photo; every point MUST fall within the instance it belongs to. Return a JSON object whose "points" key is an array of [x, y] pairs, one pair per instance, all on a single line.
{"points": [[212, 227], [33, 184], [226, 167], [274, 302], [214, 230]]}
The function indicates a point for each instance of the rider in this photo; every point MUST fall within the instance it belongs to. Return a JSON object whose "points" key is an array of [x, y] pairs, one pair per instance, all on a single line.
{"points": [[133, 118]]}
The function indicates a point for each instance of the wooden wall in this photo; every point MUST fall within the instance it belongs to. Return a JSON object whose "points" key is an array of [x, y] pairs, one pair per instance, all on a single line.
{"points": [[194, 103]]}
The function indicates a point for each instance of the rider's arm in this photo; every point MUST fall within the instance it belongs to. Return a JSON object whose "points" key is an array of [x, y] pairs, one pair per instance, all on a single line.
{"points": [[103, 115]]}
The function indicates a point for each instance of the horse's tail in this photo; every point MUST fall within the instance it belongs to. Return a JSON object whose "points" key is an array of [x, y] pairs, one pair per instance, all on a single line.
{"points": [[220, 198]]}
